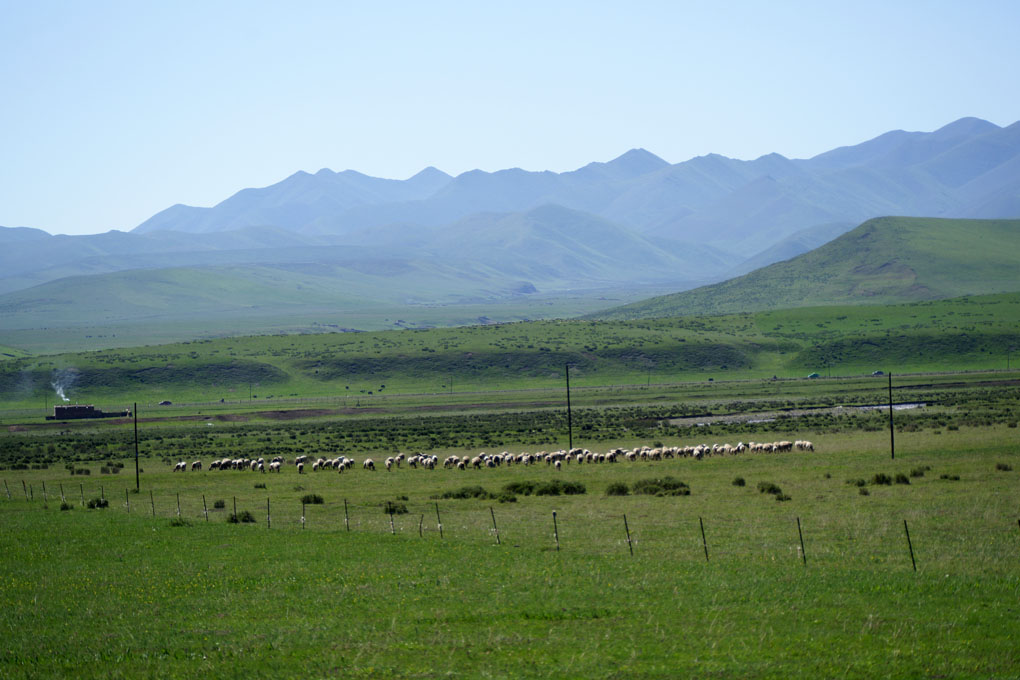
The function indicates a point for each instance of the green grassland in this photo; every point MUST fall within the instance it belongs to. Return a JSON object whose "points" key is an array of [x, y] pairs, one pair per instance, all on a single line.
{"points": [[884, 260], [970, 333], [123, 592]]}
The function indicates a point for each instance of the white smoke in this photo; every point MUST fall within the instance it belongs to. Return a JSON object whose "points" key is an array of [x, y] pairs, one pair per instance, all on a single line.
{"points": [[63, 380]]}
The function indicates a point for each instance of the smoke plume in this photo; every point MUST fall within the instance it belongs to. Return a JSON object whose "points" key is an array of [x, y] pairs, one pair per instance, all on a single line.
{"points": [[63, 380]]}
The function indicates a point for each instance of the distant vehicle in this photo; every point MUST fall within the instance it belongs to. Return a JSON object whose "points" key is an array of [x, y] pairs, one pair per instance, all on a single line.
{"points": [[878, 373], [814, 375], [165, 403]]}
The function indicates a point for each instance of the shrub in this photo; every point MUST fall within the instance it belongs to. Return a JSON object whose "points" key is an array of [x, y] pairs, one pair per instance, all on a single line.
{"points": [[244, 516], [864, 491], [951, 478], [312, 499], [394, 508], [181, 522], [902, 478], [919, 471], [95, 503], [522, 488], [66, 506], [1004, 467], [739, 481], [769, 487], [782, 497], [219, 505], [856, 482], [82, 471], [507, 497], [881, 478], [617, 489], [661, 486], [466, 492], [260, 485]]}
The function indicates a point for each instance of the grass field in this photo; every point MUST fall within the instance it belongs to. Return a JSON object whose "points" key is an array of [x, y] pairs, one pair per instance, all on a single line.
{"points": [[118, 593], [974, 333]]}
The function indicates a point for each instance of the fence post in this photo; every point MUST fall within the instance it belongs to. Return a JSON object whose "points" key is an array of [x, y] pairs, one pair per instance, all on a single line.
{"points": [[392, 529], [81, 488], [439, 521], [235, 509], [556, 532], [627, 529], [45, 498], [494, 527], [7, 489], [205, 508], [178, 503], [909, 545], [269, 517], [420, 522], [803, 554], [127, 501], [152, 503], [25, 488], [102, 492], [62, 498], [347, 520], [703, 541]]}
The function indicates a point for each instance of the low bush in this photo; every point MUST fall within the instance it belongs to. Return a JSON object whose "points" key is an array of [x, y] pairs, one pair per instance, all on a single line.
{"points": [[951, 478], [881, 478], [394, 508], [919, 471], [181, 522], [864, 491], [506, 497], [782, 497], [856, 482], [522, 488], [739, 481], [617, 489], [95, 503], [769, 487], [219, 505], [557, 487], [244, 516], [260, 485], [1004, 467], [312, 499], [902, 478], [66, 506], [466, 492], [661, 486]]}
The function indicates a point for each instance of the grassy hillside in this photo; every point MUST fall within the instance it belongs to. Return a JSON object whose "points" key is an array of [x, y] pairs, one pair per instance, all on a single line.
{"points": [[964, 333], [885, 260]]}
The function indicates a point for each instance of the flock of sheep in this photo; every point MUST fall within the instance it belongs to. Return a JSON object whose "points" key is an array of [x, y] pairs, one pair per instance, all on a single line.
{"points": [[486, 460]]}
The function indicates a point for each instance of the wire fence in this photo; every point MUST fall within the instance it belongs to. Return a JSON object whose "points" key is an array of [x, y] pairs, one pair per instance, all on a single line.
{"points": [[670, 531]]}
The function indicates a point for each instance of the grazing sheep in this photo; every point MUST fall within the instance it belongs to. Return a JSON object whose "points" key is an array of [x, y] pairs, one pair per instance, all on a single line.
{"points": [[368, 465], [300, 468]]}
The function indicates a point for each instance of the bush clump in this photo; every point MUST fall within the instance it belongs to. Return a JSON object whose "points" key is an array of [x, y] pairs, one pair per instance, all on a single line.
{"points": [[662, 486], [219, 505], [66, 506], [769, 487], [856, 482], [1003, 467], [617, 489], [881, 478], [864, 491], [181, 522], [260, 485], [244, 516], [557, 487], [951, 478], [919, 471], [739, 481], [782, 497], [394, 508], [95, 503], [522, 488], [506, 497], [312, 499], [466, 492], [902, 478]]}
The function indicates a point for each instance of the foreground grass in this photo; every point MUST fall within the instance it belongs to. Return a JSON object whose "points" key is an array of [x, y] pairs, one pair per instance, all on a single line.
{"points": [[112, 594]]}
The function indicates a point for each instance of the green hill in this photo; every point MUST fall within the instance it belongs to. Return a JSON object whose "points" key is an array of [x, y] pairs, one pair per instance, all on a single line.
{"points": [[884, 260]]}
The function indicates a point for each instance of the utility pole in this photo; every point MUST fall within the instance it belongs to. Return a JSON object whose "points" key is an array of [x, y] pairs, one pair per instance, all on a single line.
{"points": [[570, 425]]}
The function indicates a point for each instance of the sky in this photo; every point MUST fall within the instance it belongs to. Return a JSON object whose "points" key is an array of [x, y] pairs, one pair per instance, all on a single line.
{"points": [[113, 111]]}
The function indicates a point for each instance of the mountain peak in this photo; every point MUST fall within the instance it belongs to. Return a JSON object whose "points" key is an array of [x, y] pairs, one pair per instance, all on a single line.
{"points": [[638, 161], [430, 172], [968, 126]]}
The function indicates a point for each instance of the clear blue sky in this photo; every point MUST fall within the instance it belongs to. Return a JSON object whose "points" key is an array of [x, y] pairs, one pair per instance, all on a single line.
{"points": [[112, 111]]}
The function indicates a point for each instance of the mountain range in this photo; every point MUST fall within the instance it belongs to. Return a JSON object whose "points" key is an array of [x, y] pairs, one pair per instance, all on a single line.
{"points": [[632, 222]]}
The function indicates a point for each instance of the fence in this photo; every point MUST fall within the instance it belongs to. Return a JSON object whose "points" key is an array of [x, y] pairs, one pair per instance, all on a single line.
{"points": [[675, 530]]}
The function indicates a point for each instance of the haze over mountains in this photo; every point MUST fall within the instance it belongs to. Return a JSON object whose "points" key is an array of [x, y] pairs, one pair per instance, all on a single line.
{"points": [[633, 222]]}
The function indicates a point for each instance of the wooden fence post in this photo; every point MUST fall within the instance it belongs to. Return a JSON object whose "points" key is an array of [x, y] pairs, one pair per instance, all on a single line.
{"points": [[704, 542], [556, 532], [909, 545], [494, 527], [803, 554]]}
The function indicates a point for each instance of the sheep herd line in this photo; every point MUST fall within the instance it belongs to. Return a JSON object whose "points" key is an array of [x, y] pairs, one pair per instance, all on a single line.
{"points": [[554, 459]]}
